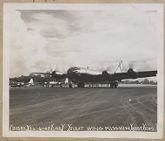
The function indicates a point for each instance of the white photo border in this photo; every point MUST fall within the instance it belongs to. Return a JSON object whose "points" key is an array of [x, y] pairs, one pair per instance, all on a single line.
{"points": [[10, 7]]}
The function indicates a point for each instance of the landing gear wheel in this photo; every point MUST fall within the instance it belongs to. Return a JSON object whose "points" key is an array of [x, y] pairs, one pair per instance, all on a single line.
{"points": [[70, 85], [113, 85], [81, 85]]}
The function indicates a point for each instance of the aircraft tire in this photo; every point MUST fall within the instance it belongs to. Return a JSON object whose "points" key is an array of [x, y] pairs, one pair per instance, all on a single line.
{"points": [[81, 85], [70, 85]]}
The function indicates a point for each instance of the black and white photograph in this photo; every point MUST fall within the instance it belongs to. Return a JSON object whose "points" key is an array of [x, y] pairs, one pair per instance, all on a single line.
{"points": [[83, 70]]}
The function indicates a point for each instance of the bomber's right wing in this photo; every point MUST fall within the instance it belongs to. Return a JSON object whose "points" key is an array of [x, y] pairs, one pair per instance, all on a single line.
{"points": [[133, 75]]}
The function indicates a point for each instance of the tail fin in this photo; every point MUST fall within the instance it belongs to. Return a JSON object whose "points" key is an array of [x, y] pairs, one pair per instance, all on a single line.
{"points": [[66, 80], [31, 82]]}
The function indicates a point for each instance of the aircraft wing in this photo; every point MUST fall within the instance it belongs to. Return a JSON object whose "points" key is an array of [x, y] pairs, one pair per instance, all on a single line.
{"points": [[105, 76], [134, 75]]}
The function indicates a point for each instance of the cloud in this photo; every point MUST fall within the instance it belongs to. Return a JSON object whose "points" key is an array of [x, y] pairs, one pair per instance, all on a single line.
{"points": [[59, 39]]}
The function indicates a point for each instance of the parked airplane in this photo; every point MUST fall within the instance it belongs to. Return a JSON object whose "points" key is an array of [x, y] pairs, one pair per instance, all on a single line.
{"points": [[16, 84], [22, 84], [81, 77], [30, 83], [78, 76]]}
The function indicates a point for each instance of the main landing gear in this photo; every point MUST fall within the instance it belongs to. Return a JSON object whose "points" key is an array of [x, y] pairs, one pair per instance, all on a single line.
{"points": [[113, 84], [81, 85]]}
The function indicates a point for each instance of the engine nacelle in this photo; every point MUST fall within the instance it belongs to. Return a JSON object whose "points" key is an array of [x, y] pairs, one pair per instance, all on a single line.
{"points": [[105, 73], [132, 73], [130, 70]]}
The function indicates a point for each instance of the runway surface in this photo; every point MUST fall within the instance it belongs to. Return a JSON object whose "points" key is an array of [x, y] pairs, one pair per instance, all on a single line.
{"points": [[83, 107]]}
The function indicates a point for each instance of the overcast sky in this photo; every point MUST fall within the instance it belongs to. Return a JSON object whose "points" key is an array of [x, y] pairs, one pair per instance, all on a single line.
{"points": [[44, 40]]}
